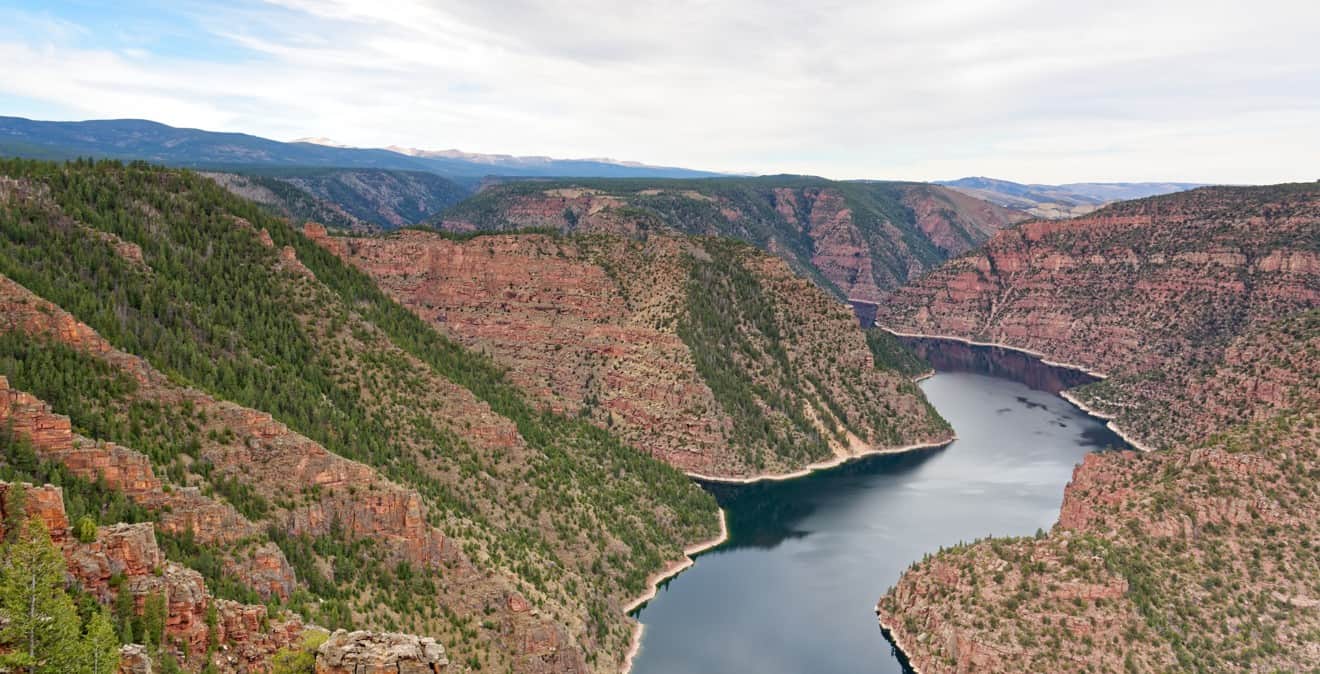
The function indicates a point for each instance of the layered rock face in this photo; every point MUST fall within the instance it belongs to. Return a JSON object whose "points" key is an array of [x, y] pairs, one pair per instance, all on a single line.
{"points": [[126, 558], [353, 500], [958, 355], [595, 325], [1196, 558], [1200, 557], [294, 432], [857, 239], [379, 653], [1133, 285]]}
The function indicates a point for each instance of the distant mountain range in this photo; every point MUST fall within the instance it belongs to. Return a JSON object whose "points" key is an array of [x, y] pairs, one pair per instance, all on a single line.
{"points": [[364, 188], [1059, 201], [195, 148]]}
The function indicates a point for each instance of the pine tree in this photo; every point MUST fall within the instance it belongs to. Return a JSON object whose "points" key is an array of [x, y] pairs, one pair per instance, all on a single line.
{"points": [[86, 529], [42, 622], [101, 645], [124, 615], [153, 621], [15, 509]]}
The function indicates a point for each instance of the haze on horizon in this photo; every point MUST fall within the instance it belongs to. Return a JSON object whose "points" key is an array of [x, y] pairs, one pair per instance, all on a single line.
{"points": [[1203, 91]]}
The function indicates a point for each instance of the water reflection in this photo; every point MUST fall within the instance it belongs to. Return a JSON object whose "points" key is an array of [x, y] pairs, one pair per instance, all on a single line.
{"points": [[794, 589], [764, 514]]}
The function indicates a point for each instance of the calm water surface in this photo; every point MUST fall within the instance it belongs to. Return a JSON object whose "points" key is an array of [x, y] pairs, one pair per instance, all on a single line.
{"points": [[794, 589]]}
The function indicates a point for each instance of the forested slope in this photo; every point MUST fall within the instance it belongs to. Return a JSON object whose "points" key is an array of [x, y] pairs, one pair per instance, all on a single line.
{"points": [[704, 352], [405, 480], [857, 239]]}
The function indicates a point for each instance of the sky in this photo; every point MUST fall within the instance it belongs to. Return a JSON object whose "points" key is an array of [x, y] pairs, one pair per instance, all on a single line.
{"points": [[1201, 90]]}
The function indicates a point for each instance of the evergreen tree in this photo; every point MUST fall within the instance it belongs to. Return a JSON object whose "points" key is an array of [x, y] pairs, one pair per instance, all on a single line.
{"points": [[15, 507], [153, 621], [101, 645], [86, 529], [124, 615], [42, 622]]}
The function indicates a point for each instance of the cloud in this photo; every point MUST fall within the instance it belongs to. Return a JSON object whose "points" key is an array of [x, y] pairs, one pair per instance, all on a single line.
{"points": [[920, 89]]}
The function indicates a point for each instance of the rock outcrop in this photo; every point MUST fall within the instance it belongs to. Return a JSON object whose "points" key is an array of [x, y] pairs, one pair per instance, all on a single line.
{"points": [[364, 652], [858, 239], [408, 482], [1196, 558], [126, 558], [1131, 286], [595, 325], [134, 659]]}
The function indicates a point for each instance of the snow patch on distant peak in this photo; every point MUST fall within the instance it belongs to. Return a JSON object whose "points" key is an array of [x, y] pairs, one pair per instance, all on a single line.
{"points": [[320, 141]]}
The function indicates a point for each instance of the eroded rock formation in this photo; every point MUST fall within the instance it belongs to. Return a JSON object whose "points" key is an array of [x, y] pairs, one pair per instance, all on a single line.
{"points": [[594, 325], [862, 239], [364, 652], [126, 558], [1202, 306]]}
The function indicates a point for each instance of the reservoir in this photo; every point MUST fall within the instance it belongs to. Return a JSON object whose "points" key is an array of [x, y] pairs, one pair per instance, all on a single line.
{"points": [[794, 589]]}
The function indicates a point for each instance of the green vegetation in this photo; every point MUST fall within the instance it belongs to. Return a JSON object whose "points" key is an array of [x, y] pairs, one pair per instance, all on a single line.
{"points": [[210, 306], [288, 200], [84, 501], [349, 199], [300, 659], [694, 206], [43, 631], [890, 354], [752, 379]]}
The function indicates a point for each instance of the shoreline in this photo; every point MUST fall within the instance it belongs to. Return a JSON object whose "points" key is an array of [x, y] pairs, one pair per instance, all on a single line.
{"points": [[1076, 402], [1108, 419], [892, 637], [888, 633], [902, 652], [971, 342], [823, 465], [653, 586]]}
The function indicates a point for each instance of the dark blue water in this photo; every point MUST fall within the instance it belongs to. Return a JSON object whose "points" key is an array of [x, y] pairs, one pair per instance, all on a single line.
{"points": [[794, 589]]}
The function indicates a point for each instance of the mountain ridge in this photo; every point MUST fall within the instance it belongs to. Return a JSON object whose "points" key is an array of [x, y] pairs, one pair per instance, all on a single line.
{"points": [[131, 139], [858, 240], [1062, 200]]}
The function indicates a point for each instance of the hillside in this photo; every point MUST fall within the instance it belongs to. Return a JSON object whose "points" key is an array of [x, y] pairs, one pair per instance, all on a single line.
{"points": [[1199, 557], [1134, 286], [130, 139], [288, 427], [857, 239], [703, 352], [355, 200], [1059, 201]]}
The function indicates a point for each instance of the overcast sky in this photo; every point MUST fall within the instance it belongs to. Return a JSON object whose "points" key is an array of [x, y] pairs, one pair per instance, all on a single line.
{"points": [[1197, 90]]}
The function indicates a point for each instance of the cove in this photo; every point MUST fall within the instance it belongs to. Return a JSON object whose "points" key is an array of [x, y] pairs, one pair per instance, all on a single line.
{"points": [[794, 588]]}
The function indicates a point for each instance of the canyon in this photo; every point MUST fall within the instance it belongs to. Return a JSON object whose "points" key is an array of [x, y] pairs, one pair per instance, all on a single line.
{"points": [[471, 446], [606, 327], [1201, 308], [360, 200], [326, 449], [1133, 286], [858, 240]]}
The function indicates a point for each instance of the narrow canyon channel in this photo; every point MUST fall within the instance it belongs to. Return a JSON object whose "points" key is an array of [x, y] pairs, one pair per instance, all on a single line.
{"points": [[793, 590]]}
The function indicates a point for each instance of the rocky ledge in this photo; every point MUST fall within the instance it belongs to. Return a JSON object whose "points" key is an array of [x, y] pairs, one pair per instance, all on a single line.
{"points": [[364, 652], [1201, 557]]}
